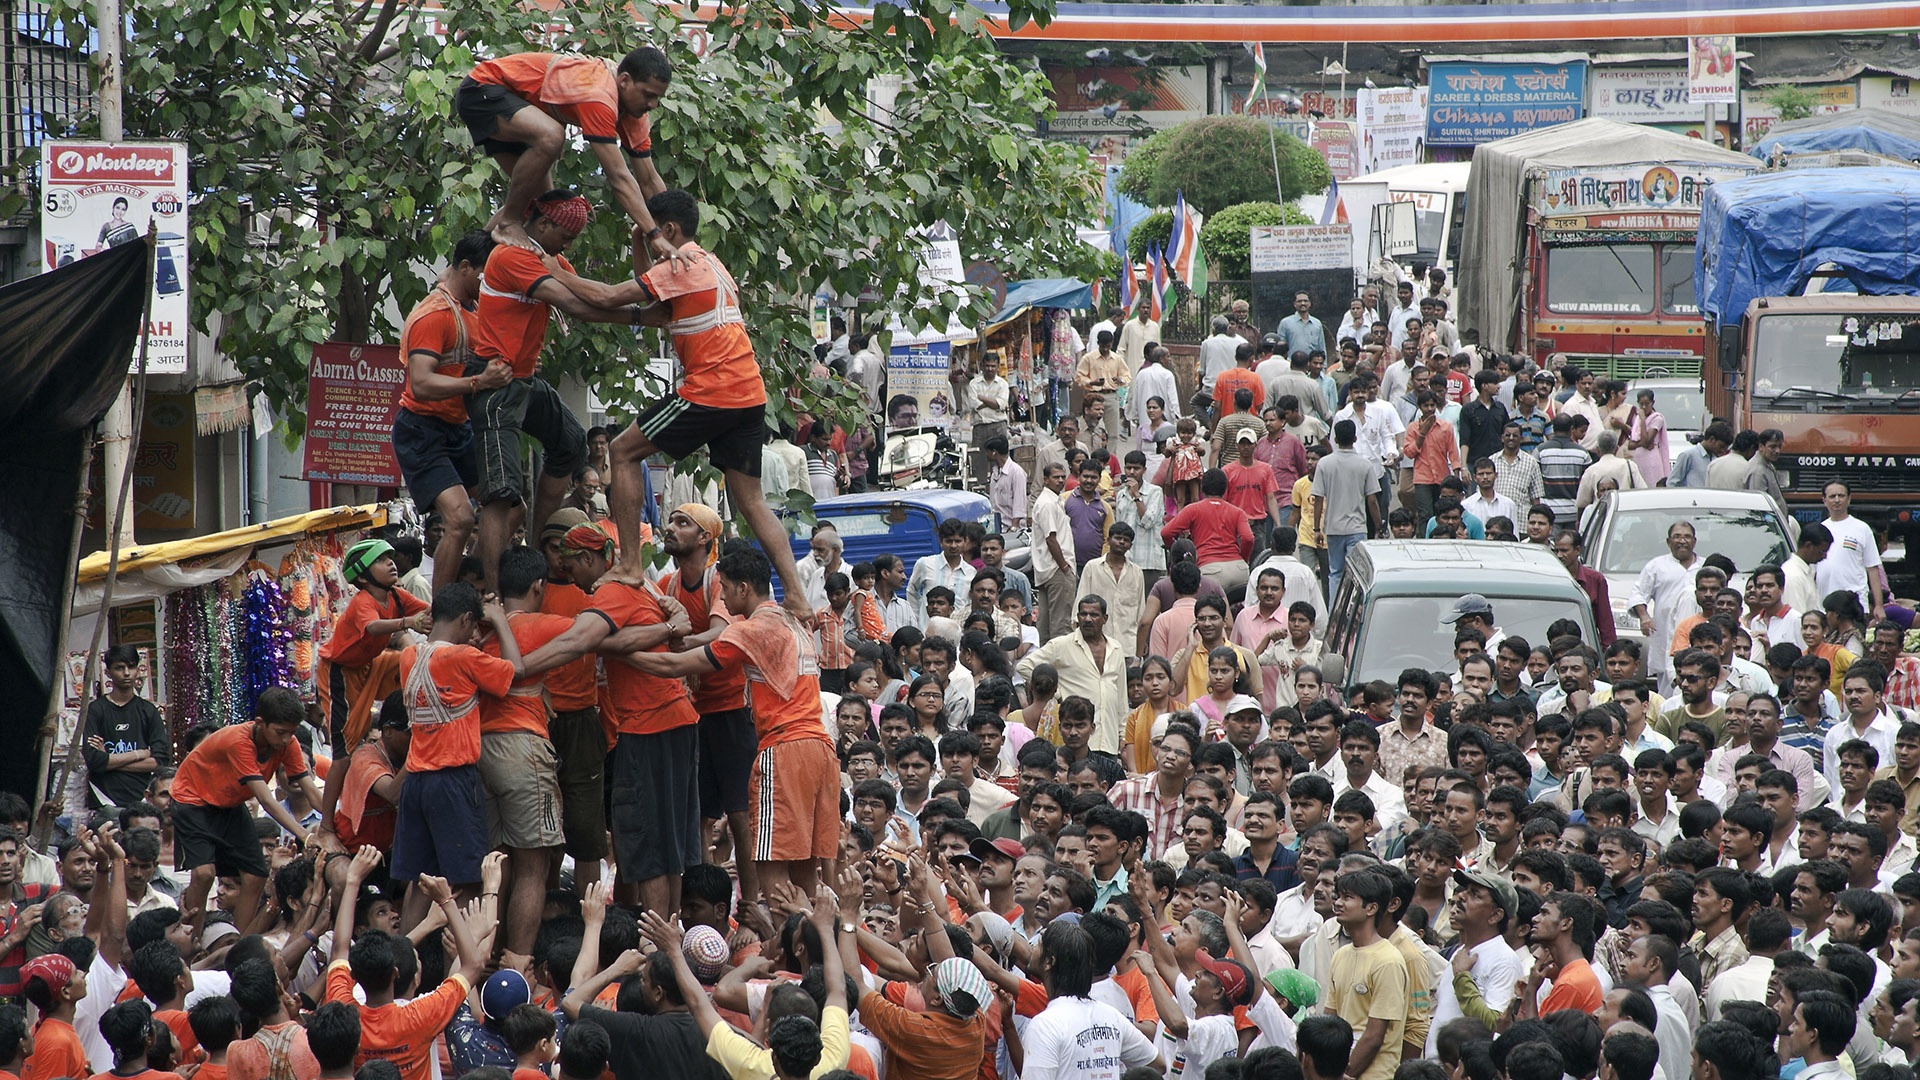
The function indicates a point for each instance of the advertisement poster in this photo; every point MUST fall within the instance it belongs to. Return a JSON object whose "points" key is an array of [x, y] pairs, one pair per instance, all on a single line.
{"points": [[352, 394], [1641, 96], [1334, 141], [1713, 70], [99, 195], [1278, 249], [1757, 117], [1391, 129], [1120, 98], [918, 393], [1469, 104], [163, 491]]}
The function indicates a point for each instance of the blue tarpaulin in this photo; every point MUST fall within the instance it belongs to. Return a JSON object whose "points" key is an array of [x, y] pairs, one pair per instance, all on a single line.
{"points": [[1875, 130], [1040, 293], [1765, 235]]}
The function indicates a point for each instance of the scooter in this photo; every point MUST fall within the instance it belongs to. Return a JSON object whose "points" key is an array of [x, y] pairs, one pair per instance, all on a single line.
{"points": [[922, 457]]}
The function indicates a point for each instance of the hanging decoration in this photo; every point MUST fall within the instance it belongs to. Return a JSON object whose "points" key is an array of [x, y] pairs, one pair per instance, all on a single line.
{"points": [[268, 641]]}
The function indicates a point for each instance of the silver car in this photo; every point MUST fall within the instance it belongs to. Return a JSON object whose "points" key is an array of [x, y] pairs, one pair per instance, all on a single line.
{"points": [[1628, 529], [1683, 402]]}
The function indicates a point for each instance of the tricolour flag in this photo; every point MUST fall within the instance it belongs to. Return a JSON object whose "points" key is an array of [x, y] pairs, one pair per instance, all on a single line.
{"points": [[1157, 283], [1129, 286], [1186, 263], [1259, 91], [1333, 213]]}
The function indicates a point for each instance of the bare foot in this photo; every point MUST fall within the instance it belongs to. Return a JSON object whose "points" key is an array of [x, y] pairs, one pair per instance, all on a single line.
{"points": [[797, 606], [624, 574], [516, 235]]}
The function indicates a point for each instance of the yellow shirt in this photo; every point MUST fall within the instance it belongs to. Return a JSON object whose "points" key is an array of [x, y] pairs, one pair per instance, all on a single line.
{"points": [[1419, 984], [1308, 522], [745, 1059], [1371, 984]]}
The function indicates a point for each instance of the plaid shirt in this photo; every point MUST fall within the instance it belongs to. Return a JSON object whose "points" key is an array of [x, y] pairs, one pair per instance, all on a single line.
{"points": [[835, 653], [1903, 683], [1141, 794], [1518, 480]]}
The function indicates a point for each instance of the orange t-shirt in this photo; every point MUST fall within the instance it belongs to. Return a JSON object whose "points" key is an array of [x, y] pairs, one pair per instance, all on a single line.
{"points": [[351, 646], [717, 691], [579, 90], [56, 1052], [510, 323], [1233, 379], [1576, 987], [524, 1073], [777, 719], [525, 706], [461, 673], [402, 1034], [716, 356], [634, 702], [250, 1059], [209, 1071], [439, 326], [574, 686], [217, 772], [1139, 993]]}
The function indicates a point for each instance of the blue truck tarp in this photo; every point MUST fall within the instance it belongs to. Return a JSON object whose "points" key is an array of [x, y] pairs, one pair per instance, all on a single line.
{"points": [[1765, 235], [1874, 130]]}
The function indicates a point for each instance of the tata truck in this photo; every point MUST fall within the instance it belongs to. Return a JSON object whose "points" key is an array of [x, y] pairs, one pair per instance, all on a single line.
{"points": [[1580, 241], [1809, 284]]}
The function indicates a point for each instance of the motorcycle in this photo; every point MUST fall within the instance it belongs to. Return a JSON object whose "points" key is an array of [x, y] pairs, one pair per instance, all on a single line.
{"points": [[922, 457]]}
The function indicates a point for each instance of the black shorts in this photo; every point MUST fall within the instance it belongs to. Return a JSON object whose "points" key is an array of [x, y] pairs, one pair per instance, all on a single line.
{"points": [[481, 106], [728, 743], [220, 837], [524, 406], [434, 456], [440, 826], [581, 744], [733, 437], [656, 804]]}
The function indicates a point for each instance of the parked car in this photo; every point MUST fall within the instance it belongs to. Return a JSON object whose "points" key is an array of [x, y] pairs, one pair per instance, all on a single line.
{"points": [[891, 522], [1683, 402], [1628, 529], [1386, 617]]}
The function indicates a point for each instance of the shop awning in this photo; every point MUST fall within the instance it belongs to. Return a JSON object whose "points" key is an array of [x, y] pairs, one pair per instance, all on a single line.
{"points": [[93, 569], [1023, 296]]}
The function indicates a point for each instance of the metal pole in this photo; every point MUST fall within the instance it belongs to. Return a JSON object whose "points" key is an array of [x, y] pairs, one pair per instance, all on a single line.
{"points": [[1273, 148], [116, 429]]}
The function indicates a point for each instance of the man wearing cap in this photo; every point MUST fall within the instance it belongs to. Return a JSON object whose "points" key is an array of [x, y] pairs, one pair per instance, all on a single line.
{"points": [[1485, 967], [720, 402], [997, 858], [432, 438], [1219, 987], [579, 739], [656, 802], [1252, 487], [793, 791], [517, 300], [691, 536], [477, 1042], [379, 610], [1474, 612]]}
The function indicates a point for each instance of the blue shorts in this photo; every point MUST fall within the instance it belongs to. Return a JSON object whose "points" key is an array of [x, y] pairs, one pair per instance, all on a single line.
{"points": [[441, 827], [433, 456]]}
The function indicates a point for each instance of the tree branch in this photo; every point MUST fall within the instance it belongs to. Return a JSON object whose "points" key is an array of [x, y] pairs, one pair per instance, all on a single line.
{"points": [[377, 33]]}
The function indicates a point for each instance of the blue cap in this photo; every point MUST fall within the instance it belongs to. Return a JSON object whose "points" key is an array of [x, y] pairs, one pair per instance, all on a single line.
{"points": [[504, 990]]}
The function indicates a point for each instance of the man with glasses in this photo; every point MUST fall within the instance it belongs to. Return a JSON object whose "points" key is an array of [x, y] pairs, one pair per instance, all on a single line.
{"points": [[1156, 796]]}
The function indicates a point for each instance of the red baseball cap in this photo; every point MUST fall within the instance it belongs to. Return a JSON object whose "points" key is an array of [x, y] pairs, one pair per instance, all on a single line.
{"points": [[1233, 977], [983, 848]]}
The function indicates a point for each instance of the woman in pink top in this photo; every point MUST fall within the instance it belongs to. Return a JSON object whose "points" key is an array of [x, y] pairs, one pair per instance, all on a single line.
{"points": [[1647, 441]]}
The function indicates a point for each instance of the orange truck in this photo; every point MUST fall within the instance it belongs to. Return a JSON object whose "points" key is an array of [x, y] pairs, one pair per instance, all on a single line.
{"points": [[1580, 241], [1811, 296]]}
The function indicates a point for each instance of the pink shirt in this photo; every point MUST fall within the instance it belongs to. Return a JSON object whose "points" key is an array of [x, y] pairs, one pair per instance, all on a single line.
{"points": [[1436, 454], [1171, 629], [1249, 630]]}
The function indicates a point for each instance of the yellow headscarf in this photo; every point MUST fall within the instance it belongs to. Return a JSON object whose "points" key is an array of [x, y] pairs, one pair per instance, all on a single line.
{"points": [[709, 522]]}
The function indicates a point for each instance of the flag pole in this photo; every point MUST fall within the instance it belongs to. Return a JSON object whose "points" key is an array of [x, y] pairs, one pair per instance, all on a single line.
{"points": [[1273, 147]]}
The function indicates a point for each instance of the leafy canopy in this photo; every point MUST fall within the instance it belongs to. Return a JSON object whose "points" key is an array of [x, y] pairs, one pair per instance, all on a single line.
{"points": [[332, 177]]}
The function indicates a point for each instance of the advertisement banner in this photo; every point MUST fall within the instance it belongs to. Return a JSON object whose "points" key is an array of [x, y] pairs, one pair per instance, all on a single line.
{"points": [[1757, 117], [1100, 99], [1334, 141], [1626, 189], [1276, 249], [352, 393], [1642, 96], [918, 393], [98, 195], [1713, 70], [1391, 128], [1469, 104], [163, 469]]}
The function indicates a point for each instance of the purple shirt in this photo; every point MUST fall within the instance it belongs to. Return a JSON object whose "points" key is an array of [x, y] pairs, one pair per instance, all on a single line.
{"points": [[1089, 522], [1287, 455]]}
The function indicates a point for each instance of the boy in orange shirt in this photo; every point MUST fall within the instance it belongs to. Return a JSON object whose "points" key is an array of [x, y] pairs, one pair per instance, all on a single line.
{"points": [[402, 1034], [216, 1025], [518, 767], [16, 1041], [210, 822], [441, 826], [721, 402], [579, 738], [378, 611], [55, 986]]}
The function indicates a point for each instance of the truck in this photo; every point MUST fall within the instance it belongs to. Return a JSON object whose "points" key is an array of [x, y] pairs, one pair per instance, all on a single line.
{"points": [[1810, 292], [1413, 214], [1579, 241]]}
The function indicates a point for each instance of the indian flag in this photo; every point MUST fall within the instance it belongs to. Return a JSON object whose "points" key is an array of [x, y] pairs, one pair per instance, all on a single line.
{"points": [[1259, 90], [1158, 283], [1186, 263]]}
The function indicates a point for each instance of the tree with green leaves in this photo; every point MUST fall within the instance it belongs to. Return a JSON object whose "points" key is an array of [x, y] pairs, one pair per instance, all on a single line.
{"points": [[1218, 161], [332, 176]]}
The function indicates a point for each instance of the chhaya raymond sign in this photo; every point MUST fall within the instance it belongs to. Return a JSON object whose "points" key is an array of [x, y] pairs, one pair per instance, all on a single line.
{"points": [[352, 394], [98, 195]]}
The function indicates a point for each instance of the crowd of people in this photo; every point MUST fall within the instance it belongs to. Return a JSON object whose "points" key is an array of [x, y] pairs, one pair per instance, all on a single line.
{"points": [[1114, 813]]}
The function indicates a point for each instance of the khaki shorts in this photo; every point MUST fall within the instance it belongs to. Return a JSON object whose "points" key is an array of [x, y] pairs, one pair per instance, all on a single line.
{"points": [[521, 774]]}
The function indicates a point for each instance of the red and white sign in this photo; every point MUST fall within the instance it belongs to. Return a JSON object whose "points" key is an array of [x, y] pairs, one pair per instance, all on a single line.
{"points": [[352, 393], [100, 195]]}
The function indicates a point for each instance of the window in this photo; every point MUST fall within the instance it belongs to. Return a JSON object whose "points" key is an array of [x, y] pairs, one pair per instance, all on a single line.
{"points": [[1614, 279]]}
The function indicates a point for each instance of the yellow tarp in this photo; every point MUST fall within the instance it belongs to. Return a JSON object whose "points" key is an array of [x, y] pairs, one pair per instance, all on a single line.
{"points": [[93, 568]]}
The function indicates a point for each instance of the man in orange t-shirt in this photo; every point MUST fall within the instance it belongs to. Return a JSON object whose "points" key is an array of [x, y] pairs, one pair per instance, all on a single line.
{"points": [[656, 804], [721, 402], [608, 103], [794, 791], [518, 766], [440, 825], [579, 740], [432, 440]]}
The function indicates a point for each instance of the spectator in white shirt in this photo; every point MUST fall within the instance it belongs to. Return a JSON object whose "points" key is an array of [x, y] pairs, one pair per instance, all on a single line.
{"points": [[1486, 503]]}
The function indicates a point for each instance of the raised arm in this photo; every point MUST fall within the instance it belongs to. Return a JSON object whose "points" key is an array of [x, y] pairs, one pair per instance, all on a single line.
{"points": [[585, 990], [363, 863], [666, 937], [441, 895]]}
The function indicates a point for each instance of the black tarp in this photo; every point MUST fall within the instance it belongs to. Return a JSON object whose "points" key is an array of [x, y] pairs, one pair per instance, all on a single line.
{"points": [[65, 342]]}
